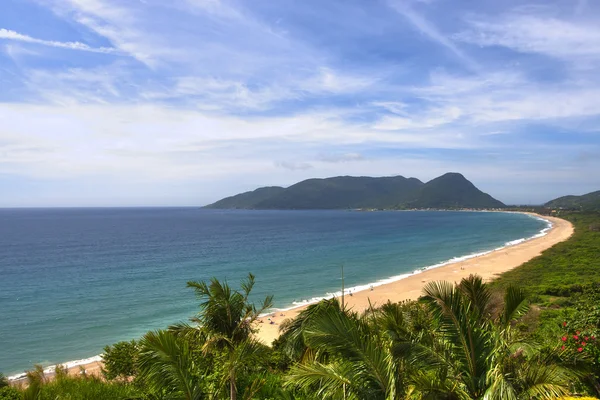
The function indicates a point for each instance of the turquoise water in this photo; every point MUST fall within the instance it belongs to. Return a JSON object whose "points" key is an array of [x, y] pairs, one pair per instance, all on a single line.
{"points": [[75, 280]]}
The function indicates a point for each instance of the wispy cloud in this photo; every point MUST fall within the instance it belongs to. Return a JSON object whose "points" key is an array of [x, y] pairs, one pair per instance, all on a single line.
{"points": [[430, 30], [12, 35], [535, 34], [118, 24]]}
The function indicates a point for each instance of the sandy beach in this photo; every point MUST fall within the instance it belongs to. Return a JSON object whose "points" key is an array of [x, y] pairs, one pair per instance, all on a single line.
{"points": [[487, 266]]}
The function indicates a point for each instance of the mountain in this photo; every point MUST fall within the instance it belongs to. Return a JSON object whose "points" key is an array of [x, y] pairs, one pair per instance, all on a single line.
{"points": [[590, 201], [343, 192], [451, 190], [248, 199]]}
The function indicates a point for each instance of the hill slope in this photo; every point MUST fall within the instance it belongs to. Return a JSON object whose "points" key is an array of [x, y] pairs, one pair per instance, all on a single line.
{"points": [[451, 190], [247, 200], [590, 201]]}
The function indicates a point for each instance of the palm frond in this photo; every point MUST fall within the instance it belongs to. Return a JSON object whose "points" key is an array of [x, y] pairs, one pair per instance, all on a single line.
{"points": [[166, 361], [461, 324], [327, 380], [478, 294], [515, 305], [343, 333]]}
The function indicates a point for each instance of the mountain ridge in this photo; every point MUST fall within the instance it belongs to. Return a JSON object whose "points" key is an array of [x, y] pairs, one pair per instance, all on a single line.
{"points": [[588, 201], [451, 190]]}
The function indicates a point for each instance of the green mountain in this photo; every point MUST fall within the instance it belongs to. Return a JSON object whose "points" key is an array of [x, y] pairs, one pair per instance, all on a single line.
{"points": [[248, 200], [343, 192], [590, 201], [451, 190]]}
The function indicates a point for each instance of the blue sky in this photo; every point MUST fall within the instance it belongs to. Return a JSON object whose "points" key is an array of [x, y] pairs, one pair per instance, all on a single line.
{"points": [[182, 102]]}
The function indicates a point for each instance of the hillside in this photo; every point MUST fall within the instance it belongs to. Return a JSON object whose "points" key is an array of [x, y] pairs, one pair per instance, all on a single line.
{"points": [[451, 190], [590, 201], [248, 199]]}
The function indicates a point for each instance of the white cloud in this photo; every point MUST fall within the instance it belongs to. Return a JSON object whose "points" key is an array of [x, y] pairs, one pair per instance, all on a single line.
{"points": [[489, 98], [429, 118], [134, 151], [212, 93], [12, 35], [536, 34], [147, 141], [118, 24]]}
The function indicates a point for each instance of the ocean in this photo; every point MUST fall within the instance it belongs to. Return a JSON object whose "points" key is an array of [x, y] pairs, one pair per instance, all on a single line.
{"points": [[75, 280]]}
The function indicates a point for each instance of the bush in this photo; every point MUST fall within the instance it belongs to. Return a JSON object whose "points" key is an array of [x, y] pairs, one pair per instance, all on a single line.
{"points": [[120, 360], [78, 388], [10, 393]]}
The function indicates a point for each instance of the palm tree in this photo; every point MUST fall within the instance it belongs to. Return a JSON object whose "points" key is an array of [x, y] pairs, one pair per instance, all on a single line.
{"points": [[480, 356], [227, 318], [177, 362], [291, 339], [359, 362], [167, 364], [450, 346]]}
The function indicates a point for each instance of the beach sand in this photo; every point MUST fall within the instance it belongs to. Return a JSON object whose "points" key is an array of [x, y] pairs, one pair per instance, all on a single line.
{"points": [[93, 368], [487, 266]]}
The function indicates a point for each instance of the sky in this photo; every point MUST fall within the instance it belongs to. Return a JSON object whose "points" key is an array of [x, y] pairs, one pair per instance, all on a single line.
{"points": [[182, 102]]}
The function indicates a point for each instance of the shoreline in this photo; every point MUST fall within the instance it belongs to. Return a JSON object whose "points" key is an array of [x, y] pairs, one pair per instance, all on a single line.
{"points": [[381, 291], [488, 265], [396, 278]]}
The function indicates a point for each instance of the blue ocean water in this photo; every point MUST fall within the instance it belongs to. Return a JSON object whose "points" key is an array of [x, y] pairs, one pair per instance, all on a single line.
{"points": [[75, 280]]}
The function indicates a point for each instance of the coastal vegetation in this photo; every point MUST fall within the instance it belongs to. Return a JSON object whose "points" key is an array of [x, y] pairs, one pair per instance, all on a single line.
{"points": [[586, 202], [449, 191], [530, 334]]}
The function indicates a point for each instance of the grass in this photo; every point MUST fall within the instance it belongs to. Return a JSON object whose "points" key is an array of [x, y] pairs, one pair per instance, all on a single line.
{"points": [[564, 269]]}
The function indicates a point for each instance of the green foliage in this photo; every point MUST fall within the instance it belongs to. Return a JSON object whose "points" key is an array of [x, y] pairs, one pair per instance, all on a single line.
{"points": [[10, 393], [87, 388], [3, 381], [226, 315], [359, 361], [167, 366], [66, 387], [347, 192], [207, 360], [450, 346], [586, 202], [564, 284], [563, 269], [120, 360]]}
